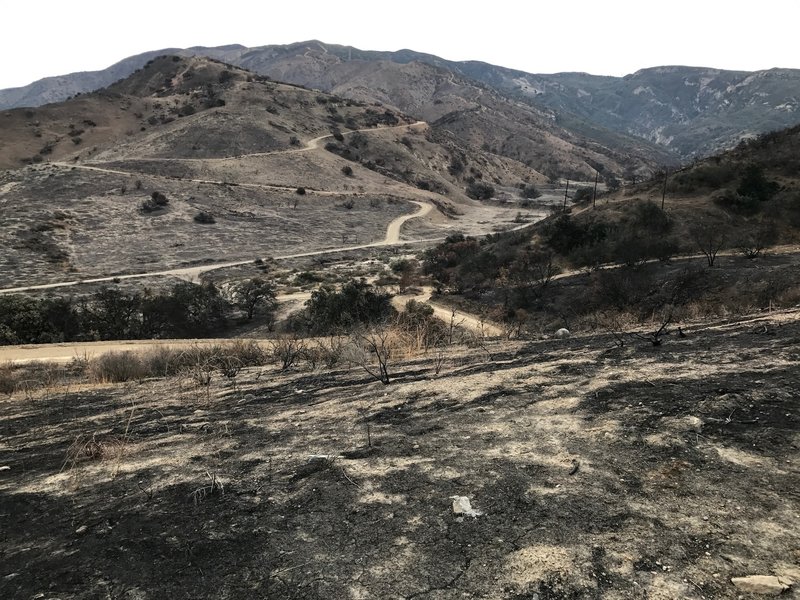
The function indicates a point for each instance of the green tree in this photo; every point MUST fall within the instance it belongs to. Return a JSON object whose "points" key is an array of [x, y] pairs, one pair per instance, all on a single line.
{"points": [[255, 295], [530, 192], [113, 314], [478, 190], [755, 185], [355, 304]]}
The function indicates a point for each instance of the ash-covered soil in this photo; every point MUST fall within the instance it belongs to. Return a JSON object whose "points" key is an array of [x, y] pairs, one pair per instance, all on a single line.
{"points": [[601, 472]]}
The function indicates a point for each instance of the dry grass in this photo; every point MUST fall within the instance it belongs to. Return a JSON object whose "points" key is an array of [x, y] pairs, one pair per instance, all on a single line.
{"points": [[8, 378], [164, 361]]}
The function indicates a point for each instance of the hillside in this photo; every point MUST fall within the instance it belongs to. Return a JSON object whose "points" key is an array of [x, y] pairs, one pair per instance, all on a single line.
{"points": [[259, 340], [694, 112], [473, 111], [596, 472], [724, 242], [687, 111], [280, 168]]}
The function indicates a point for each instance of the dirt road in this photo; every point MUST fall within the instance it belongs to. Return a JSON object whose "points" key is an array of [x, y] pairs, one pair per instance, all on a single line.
{"points": [[474, 323], [312, 144], [67, 351]]}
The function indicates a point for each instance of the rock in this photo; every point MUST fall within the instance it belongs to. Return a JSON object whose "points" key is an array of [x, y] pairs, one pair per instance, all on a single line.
{"points": [[5, 468], [82, 529], [762, 584], [462, 506], [695, 424], [562, 334]]}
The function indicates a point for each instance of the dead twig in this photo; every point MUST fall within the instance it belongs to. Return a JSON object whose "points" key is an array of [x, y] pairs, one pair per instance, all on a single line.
{"points": [[348, 479]]}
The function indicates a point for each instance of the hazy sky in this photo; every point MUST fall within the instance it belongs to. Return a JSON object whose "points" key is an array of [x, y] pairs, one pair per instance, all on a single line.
{"points": [[610, 37]]}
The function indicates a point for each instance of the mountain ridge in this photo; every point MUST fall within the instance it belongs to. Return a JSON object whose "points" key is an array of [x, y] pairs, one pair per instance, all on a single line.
{"points": [[682, 112]]}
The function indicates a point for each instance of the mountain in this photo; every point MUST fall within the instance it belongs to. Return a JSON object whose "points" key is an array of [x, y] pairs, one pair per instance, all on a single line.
{"points": [[458, 108], [685, 111], [692, 111], [82, 178]]}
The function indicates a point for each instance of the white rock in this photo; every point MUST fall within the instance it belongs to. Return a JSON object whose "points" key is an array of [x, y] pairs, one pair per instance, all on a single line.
{"points": [[462, 506], [762, 584], [562, 333]]}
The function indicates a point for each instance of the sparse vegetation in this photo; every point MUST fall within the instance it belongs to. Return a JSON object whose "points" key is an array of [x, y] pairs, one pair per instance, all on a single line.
{"points": [[530, 191], [205, 218], [478, 190], [157, 201]]}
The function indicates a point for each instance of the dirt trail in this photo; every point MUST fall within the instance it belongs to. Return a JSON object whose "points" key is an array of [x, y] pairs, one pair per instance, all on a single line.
{"points": [[255, 186], [462, 319], [783, 249], [312, 144], [66, 351]]}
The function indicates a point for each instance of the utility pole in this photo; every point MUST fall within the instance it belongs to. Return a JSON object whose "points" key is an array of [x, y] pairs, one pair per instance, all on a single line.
{"points": [[664, 191], [594, 195], [566, 189]]}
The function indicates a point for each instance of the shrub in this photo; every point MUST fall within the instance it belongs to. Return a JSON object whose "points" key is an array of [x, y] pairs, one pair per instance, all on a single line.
{"points": [[206, 218], [566, 234], [356, 303], [735, 202], [456, 167], [301, 191], [478, 190], [155, 202], [530, 192], [113, 367], [288, 350], [347, 170], [306, 278], [582, 194], [706, 176], [8, 379], [754, 185]]}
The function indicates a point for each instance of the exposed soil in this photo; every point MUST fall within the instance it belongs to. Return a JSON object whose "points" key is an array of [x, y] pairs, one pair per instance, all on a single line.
{"points": [[603, 472]]}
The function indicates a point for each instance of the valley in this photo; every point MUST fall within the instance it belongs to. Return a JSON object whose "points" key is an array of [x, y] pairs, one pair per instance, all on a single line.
{"points": [[311, 322]]}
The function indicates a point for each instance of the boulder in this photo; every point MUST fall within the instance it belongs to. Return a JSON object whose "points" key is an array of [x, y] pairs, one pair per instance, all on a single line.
{"points": [[562, 333], [762, 584]]}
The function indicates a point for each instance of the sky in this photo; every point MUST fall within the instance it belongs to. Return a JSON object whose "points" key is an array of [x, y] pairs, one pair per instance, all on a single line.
{"points": [[610, 37]]}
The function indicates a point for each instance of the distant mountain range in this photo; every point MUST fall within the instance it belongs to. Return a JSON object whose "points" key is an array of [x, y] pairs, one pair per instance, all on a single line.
{"points": [[659, 115]]}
